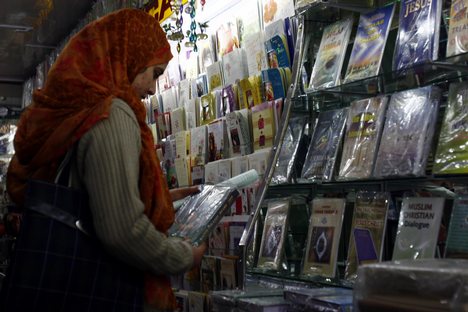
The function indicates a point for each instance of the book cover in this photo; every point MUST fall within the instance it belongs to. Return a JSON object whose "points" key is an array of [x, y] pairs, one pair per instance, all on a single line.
{"points": [[330, 56], [324, 236], [234, 66], [363, 129], [236, 226], [369, 221], [457, 242], [274, 235], [199, 214], [209, 273], [323, 149], [207, 108], [227, 38], [407, 134], [369, 43], [418, 228], [418, 33], [263, 126], [287, 157], [457, 42], [217, 143], [214, 76], [452, 153], [238, 130]]}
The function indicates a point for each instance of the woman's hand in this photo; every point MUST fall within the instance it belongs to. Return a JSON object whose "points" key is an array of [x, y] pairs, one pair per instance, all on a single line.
{"points": [[183, 192]]}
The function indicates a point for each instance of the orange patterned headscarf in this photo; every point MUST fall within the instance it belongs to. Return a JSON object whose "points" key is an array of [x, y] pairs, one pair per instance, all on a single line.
{"points": [[97, 65]]}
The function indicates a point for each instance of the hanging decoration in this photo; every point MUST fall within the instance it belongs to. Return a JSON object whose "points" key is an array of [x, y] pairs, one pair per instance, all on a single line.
{"points": [[193, 34]]}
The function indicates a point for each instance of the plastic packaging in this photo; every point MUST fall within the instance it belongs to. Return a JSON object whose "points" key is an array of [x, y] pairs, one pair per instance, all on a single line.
{"points": [[327, 299], [363, 129], [367, 231], [287, 157], [327, 68], [274, 235], [412, 285], [407, 134], [323, 149], [452, 149]]}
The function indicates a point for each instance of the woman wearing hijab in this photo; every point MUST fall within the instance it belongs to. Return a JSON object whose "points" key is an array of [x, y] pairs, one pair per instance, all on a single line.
{"points": [[92, 102]]}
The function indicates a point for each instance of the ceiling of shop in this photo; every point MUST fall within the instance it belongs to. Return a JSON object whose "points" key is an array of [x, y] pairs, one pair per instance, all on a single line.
{"points": [[29, 31]]}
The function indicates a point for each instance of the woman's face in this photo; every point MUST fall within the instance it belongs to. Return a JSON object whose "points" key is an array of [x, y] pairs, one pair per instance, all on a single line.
{"points": [[144, 83]]}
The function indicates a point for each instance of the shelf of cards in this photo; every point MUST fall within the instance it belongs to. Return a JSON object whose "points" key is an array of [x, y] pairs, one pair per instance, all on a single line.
{"points": [[440, 72]]}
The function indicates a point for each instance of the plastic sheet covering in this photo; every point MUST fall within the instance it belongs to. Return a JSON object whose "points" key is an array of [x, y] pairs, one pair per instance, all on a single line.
{"points": [[286, 160], [407, 134], [413, 285], [321, 157], [200, 213], [227, 300], [363, 129], [452, 149], [28, 87], [260, 304], [329, 299]]}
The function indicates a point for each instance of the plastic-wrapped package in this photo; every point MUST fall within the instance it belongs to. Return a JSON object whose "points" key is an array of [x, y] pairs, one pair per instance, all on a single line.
{"points": [[363, 128], [366, 241], [418, 228], [407, 134], [418, 33], [456, 245], [323, 149], [274, 235], [263, 304], [452, 149], [200, 213], [324, 237], [327, 68], [28, 88], [327, 299], [40, 76], [286, 160], [227, 300], [457, 42], [412, 285]]}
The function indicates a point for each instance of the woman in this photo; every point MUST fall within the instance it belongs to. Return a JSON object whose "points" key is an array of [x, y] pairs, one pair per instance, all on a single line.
{"points": [[92, 102]]}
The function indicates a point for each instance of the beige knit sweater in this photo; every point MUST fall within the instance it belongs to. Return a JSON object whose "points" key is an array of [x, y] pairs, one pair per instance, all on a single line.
{"points": [[107, 163]]}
